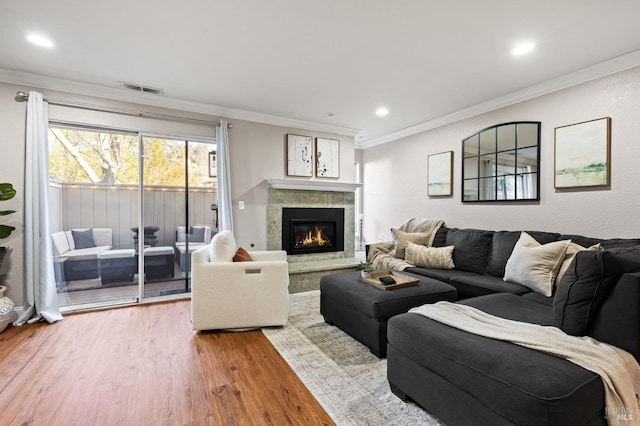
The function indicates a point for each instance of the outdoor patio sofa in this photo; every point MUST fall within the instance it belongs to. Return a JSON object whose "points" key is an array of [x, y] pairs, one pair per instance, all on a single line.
{"points": [[443, 368], [188, 242], [79, 251]]}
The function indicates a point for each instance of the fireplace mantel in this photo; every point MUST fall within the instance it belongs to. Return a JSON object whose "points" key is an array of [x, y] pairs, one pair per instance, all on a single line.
{"points": [[313, 185]]}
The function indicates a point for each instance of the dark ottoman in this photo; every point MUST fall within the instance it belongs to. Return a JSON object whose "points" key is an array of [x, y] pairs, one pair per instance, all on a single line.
{"points": [[362, 310]]}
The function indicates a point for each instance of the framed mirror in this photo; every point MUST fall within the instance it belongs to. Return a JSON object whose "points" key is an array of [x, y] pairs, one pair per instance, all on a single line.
{"points": [[502, 163]]}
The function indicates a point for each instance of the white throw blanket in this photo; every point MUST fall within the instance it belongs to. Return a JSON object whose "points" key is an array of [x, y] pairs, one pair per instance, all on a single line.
{"points": [[618, 369]]}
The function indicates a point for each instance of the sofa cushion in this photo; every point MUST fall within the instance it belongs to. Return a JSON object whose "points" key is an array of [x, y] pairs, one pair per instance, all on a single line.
{"points": [[620, 243], [429, 257], [580, 240], [618, 320], [534, 265], [83, 238], [502, 245], [471, 248], [439, 274], [480, 285], [586, 285], [515, 382], [401, 238], [223, 247], [440, 239], [572, 250]]}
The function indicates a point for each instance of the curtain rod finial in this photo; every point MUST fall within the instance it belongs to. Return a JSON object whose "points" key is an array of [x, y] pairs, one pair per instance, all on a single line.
{"points": [[21, 97]]}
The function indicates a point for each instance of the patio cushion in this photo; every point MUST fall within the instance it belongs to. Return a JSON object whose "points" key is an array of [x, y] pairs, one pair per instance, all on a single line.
{"points": [[158, 251], [117, 254], [83, 238], [60, 243], [196, 234]]}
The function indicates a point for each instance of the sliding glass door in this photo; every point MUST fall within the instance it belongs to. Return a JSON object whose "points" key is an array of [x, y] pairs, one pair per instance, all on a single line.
{"points": [[179, 189], [128, 209]]}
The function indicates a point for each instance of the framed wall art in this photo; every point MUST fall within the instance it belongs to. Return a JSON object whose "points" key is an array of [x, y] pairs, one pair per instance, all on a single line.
{"points": [[583, 154], [327, 158], [440, 174], [299, 155]]}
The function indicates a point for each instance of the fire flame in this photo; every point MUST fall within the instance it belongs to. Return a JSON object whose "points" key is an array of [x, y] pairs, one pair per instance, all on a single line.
{"points": [[314, 236]]}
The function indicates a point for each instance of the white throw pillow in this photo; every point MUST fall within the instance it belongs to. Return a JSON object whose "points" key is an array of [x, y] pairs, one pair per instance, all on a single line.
{"points": [[535, 266], [429, 257]]}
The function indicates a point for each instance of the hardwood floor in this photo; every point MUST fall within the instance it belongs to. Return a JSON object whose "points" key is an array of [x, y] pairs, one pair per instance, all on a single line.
{"points": [[144, 365]]}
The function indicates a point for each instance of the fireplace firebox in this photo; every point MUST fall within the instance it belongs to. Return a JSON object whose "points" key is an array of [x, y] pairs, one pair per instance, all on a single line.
{"points": [[312, 230]]}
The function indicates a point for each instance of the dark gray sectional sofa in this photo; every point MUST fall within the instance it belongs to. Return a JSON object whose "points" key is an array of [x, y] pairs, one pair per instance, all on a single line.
{"points": [[466, 379]]}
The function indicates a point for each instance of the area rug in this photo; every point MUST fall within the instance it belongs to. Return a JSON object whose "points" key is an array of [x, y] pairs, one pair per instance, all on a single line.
{"points": [[345, 378]]}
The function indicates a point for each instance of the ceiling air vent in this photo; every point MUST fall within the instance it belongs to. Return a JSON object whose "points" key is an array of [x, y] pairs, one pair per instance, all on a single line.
{"points": [[141, 88]]}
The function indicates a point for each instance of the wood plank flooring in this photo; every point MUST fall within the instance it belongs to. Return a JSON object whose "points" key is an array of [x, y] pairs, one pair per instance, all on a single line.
{"points": [[144, 365]]}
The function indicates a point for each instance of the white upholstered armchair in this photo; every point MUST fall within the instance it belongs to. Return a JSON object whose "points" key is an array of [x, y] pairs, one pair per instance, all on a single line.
{"points": [[227, 294]]}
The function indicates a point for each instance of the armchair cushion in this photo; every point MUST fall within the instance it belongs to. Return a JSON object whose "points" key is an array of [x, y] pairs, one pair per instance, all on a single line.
{"points": [[223, 247]]}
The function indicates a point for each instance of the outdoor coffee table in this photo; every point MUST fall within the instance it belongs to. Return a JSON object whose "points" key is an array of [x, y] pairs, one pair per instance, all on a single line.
{"points": [[362, 310]]}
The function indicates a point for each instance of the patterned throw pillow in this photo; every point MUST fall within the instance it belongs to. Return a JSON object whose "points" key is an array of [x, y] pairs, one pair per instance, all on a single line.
{"points": [[429, 257]]}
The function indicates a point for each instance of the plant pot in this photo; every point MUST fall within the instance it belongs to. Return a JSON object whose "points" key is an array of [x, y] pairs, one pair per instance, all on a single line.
{"points": [[6, 309], [365, 274]]}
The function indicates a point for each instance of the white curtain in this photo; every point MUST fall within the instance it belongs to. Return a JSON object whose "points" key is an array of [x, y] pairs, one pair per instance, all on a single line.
{"points": [[225, 211], [40, 297]]}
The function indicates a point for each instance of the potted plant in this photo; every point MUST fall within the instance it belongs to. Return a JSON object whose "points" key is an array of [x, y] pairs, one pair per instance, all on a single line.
{"points": [[366, 268], [6, 305], [6, 193]]}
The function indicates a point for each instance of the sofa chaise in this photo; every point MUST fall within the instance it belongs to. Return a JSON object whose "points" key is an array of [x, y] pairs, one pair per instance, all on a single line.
{"points": [[444, 369]]}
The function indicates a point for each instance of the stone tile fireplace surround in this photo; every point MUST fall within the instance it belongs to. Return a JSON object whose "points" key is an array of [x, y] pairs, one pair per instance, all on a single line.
{"points": [[305, 270]]}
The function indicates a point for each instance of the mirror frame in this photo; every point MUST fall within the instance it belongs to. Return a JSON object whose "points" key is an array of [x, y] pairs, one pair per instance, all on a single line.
{"points": [[486, 143]]}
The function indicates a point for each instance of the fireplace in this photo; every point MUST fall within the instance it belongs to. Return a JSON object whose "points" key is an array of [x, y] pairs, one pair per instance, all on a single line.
{"points": [[312, 230]]}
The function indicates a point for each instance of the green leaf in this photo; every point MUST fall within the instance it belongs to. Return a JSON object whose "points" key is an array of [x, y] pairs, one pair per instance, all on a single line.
{"points": [[6, 191], [6, 212], [6, 230]]}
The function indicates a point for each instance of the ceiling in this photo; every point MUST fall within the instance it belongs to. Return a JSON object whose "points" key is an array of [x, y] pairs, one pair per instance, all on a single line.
{"points": [[331, 62]]}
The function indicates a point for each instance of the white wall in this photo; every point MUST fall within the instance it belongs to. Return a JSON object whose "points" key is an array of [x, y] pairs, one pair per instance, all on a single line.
{"points": [[257, 152], [395, 174]]}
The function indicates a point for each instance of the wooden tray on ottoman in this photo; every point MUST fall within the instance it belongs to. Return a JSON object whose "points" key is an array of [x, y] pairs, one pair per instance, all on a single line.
{"points": [[401, 280]]}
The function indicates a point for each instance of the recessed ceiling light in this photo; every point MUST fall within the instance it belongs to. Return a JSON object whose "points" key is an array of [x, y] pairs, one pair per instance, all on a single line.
{"points": [[382, 111], [39, 40], [523, 48]]}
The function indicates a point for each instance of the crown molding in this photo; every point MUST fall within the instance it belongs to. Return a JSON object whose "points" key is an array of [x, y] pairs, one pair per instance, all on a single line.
{"points": [[119, 94], [620, 63]]}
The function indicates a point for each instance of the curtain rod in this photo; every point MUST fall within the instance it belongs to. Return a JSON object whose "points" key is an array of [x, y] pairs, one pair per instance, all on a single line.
{"points": [[23, 97]]}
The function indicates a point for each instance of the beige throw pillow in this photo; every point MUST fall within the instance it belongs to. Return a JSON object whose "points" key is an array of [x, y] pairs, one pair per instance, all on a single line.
{"points": [[429, 257], [572, 250], [400, 240], [535, 266]]}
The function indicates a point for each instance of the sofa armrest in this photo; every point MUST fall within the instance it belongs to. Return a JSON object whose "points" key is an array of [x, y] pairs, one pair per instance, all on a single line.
{"points": [[618, 321]]}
